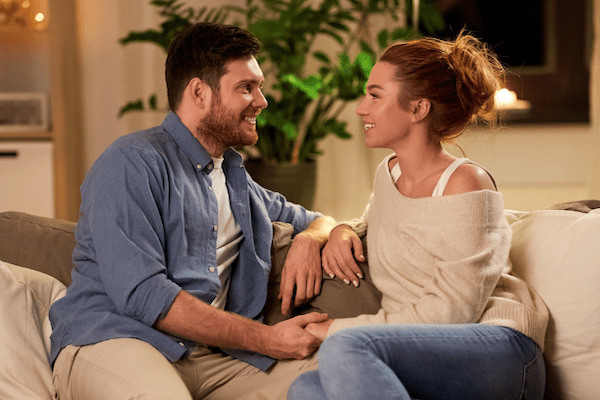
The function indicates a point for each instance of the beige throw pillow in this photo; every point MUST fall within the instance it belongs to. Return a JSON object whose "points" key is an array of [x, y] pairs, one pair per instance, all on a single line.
{"points": [[26, 296]]}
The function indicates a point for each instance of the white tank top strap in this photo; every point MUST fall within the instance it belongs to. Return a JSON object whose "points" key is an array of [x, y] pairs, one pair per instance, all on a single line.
{"points": [[441, 185], [396, 172]]}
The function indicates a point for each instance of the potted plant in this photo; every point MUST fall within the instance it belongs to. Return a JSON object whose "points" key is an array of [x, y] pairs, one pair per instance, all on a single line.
{"points": [[305, 101]]}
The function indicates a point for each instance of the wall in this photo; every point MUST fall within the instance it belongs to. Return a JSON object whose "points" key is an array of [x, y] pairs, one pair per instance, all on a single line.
{"points": [[535, 166]]}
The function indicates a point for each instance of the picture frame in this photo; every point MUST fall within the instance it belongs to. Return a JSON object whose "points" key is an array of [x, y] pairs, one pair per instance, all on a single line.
{"points": [[23, 112]]}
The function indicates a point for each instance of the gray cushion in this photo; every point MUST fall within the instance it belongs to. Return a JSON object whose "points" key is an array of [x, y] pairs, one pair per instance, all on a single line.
{"points": [[39, 243]]}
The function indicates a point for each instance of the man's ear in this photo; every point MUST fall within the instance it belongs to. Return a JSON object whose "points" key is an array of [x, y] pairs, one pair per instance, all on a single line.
{"points": [[420, 109], [198, 93]]}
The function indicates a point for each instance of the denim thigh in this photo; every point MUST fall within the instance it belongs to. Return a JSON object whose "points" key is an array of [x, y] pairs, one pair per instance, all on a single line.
{"points": [[465, 361]]}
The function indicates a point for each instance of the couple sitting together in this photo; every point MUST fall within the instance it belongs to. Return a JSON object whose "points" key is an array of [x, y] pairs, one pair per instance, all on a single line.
{"points": [[173, 252]]}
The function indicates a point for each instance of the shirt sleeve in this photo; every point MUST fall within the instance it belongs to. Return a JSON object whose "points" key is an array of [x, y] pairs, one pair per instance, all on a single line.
{"points": [[122, 203]]}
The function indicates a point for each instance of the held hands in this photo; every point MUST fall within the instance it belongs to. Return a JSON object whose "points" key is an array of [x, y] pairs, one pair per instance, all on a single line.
{"points": [[340, 254], [292, 339], [319, 329]]}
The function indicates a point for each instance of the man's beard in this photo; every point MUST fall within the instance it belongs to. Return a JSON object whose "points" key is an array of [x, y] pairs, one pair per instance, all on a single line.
{"points": [[221, 127]]}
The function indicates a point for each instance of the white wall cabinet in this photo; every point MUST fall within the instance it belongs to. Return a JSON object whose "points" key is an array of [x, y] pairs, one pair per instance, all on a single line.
{"points": [[26, 177]]}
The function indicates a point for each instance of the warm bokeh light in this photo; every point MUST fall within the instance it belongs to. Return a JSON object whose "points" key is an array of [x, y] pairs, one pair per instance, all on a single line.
{"points": [[24, 14], [507, 100], [505, 97]]}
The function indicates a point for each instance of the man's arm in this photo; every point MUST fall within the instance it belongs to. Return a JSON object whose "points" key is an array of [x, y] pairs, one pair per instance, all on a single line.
{"points": [[302, 268], [192, 319]]}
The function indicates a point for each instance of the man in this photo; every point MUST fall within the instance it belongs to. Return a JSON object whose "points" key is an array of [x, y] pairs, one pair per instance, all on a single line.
{"points": [[173, 249]]}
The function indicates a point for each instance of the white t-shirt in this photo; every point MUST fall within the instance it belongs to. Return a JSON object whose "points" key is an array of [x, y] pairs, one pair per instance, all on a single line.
{"points": [[229, 234]]}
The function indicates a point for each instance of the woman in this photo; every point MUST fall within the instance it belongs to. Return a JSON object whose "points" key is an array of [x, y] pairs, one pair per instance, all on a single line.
{"points": [[454, 323]]}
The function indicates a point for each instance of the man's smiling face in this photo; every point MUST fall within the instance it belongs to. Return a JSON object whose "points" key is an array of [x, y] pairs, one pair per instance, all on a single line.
{"points": [[232, 117]]}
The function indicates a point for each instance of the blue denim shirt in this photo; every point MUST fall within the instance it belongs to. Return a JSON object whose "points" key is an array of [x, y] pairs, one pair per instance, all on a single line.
{"points": [[147, 230]]}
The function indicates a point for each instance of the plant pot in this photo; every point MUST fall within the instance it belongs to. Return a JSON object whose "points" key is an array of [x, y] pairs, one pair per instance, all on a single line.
{"points": [[296, 182]]}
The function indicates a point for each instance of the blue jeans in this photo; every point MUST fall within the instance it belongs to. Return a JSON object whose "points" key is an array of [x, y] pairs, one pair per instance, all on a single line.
{"points": [[388, 362]]}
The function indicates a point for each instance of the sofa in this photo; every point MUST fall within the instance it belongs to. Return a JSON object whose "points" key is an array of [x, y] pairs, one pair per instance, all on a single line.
{"points": [[557, 251]]}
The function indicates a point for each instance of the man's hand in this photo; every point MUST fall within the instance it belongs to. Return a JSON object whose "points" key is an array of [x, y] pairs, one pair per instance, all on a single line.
{"points": [[319, 329], [340, 254], [193, 319], [302, 267], [291, 340]]}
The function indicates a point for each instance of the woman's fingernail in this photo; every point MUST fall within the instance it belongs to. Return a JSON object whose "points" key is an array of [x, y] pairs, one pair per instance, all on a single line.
{"points": [[346, 281], [355, 283], [331, 276], [360, 275]]}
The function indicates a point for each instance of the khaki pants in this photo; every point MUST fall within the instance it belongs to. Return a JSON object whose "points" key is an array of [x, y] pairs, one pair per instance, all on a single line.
{"points": [[133, 369]]}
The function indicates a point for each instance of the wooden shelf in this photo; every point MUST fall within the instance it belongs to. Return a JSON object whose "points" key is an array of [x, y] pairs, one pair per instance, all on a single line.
{"points": [[26, 135]]}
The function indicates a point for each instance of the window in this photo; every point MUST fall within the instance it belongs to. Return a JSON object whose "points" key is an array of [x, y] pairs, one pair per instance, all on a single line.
{"points": [[545, 45]]}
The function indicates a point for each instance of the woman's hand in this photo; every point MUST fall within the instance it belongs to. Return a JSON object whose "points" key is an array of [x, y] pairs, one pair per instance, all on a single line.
{"points": [[340, 253], [319, 329]]}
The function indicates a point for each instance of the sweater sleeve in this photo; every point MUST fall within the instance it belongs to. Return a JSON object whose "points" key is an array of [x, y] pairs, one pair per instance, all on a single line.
{"points": [[359, 225]]}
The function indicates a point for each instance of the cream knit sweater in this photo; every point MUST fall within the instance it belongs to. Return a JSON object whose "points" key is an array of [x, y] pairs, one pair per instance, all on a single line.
{"points": [[444, 260]]}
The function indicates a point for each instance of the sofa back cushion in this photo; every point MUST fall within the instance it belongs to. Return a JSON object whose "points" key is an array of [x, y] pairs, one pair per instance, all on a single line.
{"points": [[557, 252], [39, 243]]}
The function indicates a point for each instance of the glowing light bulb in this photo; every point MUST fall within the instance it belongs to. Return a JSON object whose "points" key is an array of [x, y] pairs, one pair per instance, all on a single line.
{"points": [[505, 97], [26, 4], [507, 100], [39, 17]]}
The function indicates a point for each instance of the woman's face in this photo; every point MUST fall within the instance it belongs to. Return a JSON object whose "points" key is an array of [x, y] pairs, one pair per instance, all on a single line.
{"points": [[386, 123]]}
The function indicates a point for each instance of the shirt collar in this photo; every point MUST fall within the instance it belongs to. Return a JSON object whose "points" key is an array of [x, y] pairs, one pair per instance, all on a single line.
{"points": [[187, 143]]}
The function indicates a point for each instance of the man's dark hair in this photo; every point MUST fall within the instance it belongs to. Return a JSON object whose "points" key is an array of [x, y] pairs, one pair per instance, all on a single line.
{"points": [[201, 51]]}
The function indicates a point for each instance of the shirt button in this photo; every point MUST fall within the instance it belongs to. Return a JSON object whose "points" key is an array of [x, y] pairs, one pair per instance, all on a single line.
{"points": [[181, 344], [199, 166], [210, 167], [215, 228], [212, 269], [210, 188]]}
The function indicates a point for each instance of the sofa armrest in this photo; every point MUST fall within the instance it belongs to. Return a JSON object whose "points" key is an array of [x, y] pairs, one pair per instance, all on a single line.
{"points": [[39, 243]]}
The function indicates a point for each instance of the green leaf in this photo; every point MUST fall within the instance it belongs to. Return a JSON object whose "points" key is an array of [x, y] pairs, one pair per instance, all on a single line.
{"points": [[338, 128], [365, 63], [261, 120], [137, 105], [310, 87], [319, 55], [290, 130], [431, 17], [366, 48], [382, 38], [162, 3], [152, 102], [401, 33]]}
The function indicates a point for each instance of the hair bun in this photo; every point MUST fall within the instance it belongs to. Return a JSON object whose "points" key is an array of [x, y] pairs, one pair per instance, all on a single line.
{"points": [[478, 73]]}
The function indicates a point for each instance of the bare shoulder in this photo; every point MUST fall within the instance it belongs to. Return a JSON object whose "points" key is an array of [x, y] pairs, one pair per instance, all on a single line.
{"points": [[469, 178]]}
